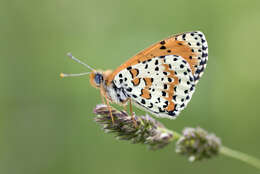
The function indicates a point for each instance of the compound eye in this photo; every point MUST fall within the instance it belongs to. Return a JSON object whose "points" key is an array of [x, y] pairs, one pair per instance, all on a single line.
{"points": [[98, 79]]}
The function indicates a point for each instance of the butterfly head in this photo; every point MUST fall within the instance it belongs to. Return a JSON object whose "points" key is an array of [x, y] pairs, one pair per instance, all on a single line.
{"points": [[97, 78]]}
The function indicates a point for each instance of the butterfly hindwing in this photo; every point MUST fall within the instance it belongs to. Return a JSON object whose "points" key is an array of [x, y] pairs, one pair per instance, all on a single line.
{"points": [[162, 78], [163, 85]]}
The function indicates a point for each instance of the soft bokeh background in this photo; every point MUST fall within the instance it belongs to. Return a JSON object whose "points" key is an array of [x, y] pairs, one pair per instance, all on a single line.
{"points": [[47, 123]]}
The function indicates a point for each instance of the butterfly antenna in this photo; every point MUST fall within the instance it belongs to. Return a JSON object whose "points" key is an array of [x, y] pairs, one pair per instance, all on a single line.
{"points": [[62, 75], [77, 60]]}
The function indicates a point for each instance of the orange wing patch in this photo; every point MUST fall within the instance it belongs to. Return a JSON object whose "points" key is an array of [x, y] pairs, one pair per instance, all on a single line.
{"points": [[170, 90], [136, 81], [145, 92], [134, 73], [169, 46]]}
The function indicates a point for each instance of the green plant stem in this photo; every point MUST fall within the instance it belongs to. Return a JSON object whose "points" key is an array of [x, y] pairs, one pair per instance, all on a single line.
{"points": [[176, 136], [232, 153], [240, 156]]}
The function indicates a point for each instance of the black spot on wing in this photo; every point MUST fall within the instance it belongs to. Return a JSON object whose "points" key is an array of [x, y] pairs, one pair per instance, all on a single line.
{"points": [[171, 113], [163, 47], [162, 42], [129, 89], [150, 106]]}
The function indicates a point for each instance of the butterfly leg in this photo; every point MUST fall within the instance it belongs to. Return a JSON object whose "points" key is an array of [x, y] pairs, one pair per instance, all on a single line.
{"points": [[131, 112], [124, 106], [110, 110], [107, 102], [102, 96]]}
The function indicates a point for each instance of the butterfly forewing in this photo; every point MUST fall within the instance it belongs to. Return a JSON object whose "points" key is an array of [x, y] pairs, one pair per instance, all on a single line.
{"points": [[192, 46]]}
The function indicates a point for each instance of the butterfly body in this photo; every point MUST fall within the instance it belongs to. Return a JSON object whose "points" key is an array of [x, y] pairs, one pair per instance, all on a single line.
{"points": [[161, 79], [113, 93]]}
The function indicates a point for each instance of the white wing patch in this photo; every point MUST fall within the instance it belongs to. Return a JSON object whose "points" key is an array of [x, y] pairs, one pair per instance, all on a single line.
{"points": [[162, 85]]}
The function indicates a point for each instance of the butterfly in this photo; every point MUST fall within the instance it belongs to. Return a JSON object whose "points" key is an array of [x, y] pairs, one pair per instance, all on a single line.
{"points": [[160, 79]]}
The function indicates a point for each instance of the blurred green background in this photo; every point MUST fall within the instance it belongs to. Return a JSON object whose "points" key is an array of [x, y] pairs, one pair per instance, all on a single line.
{"points": [[47, 123]]}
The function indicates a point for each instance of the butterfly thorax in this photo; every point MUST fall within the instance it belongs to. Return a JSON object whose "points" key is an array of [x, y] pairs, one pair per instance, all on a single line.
{"points": [[99, 79], [115, 94]]}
